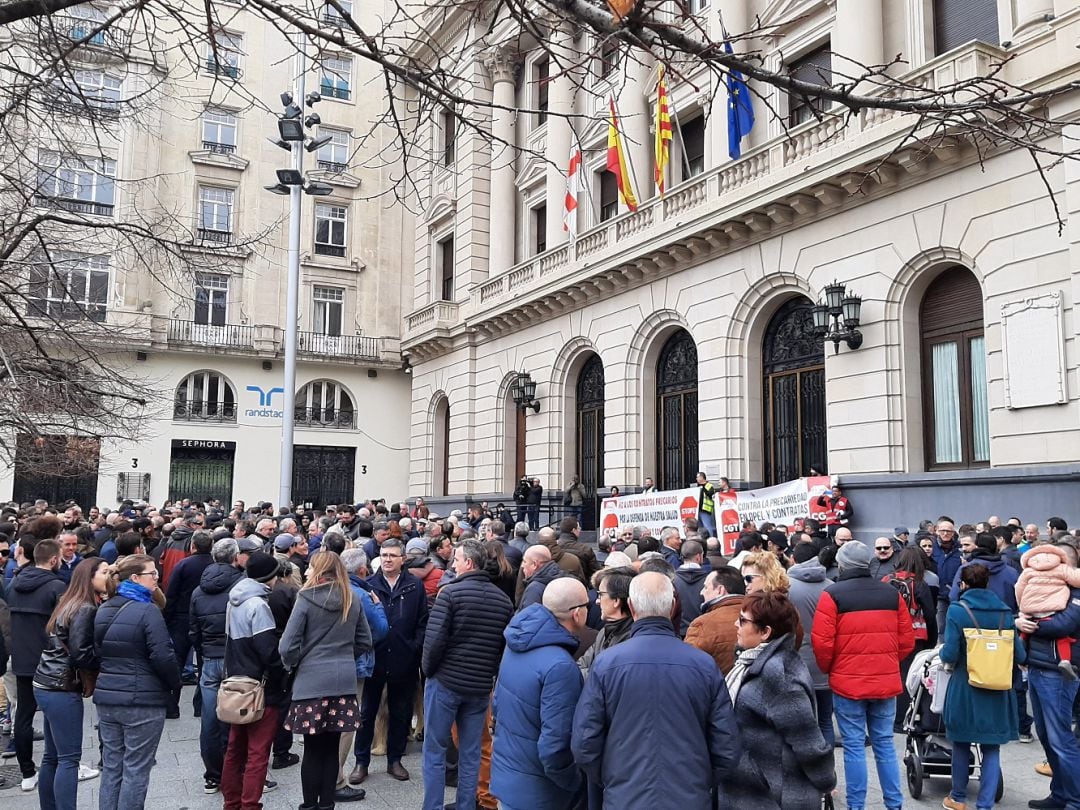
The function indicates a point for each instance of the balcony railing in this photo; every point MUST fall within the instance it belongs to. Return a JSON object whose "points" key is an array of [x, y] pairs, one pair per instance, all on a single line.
{"points": [[77, 29], [332, 166], [325, 418], [213, 236], [358, 346], [227, 335], [71, 104], [323, 249], [223, 69], [74, 206], [331, 91], [199, 411], [219, 148], [332, 19]]}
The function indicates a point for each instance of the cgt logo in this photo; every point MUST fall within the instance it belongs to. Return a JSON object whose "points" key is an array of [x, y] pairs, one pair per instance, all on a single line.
{"points": [[266, 407]]}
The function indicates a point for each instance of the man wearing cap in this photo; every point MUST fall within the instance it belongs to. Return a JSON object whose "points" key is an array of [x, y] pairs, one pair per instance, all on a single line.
{"points": [[289, 550], [862, 631], [900, 538]]}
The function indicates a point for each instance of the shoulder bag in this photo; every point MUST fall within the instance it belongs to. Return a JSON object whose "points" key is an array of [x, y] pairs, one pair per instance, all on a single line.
{"points": [[989, 655], [240, 700]]}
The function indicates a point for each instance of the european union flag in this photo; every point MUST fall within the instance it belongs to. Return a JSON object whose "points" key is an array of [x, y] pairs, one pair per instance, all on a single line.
{"points": [[740, 111]]}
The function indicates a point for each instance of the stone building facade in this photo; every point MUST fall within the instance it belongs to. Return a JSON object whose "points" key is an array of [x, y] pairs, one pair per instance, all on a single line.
{"points": [[679, 337]]}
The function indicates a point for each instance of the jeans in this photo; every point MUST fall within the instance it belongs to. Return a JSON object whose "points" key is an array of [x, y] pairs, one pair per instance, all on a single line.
{"points": [[58, 779], [129, 741], [708, 522], [213, 735], [824, 700], [856, 719], [1051, 704], [23, 730], [989, 776], [245, 763], [442, 709], [400, 693], [534, 517]]}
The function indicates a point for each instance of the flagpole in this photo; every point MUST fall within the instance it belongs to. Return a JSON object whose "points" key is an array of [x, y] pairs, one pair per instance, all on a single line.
{"points": [[674, 113], [586, 184]]}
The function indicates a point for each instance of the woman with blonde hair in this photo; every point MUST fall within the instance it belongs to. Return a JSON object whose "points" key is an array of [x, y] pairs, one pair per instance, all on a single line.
{"points": [[327, 631], [762, 572]]}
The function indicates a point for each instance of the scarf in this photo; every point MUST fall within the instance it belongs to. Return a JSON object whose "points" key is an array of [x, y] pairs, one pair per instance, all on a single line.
{"points": [[133, 591], [734, 678]]}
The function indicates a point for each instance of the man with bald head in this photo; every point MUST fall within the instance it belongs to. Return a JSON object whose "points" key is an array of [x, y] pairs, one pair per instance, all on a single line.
{"points": [[618, 709], [539, 570], [535, 695]]}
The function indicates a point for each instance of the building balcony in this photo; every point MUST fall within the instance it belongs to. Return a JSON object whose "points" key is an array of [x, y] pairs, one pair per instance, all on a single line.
{"points": [[85, 32], [330, 91], [225, 336], [357, 347], [198, 411], [213, 236], [74, 206], [219, 148], [325, 418], [226, 69], [332, 166]]}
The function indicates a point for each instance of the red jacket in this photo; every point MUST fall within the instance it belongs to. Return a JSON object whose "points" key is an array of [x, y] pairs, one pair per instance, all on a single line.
{"points": [[862, 631], [837, 512]]}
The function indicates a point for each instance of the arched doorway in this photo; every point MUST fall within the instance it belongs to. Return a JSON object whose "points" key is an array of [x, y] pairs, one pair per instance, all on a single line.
{"points": [[793, 392], [677, 412], [440, 433], [589, 405]]}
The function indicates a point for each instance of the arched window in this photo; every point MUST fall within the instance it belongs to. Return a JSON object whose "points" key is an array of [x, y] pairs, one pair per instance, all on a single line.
{"points": [[205, 396], [324, 403], [440, 457], [677, 412], [589, 405], [955, 409], [793, 394]]}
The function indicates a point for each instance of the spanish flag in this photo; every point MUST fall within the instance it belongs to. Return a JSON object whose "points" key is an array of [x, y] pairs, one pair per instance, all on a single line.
{"points": [[663, 132], [616, 160]]}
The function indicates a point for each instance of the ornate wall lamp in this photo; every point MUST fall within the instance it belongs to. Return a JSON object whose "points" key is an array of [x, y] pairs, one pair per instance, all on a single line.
{"points": [[843, 311], [523, 390]]}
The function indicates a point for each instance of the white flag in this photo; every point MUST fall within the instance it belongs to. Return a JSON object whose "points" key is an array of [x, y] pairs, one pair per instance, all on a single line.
{"points": [[573, 186]]}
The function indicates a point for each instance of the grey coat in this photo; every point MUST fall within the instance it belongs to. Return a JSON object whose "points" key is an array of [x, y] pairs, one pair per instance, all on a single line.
{"points": [[321, 648], [808, 582], [785, 762]]}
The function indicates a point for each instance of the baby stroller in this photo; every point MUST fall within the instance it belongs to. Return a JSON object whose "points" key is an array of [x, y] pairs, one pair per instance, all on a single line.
{"points": [[927, 752]]}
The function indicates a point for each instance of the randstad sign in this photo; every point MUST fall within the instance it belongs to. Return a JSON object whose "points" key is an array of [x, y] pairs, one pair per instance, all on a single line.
{"points": [[262, 406]]}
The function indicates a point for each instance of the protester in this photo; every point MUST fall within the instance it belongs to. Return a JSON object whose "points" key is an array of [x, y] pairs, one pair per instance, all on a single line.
{"points": [[138, 674], [762, 572], [535, 697], [617, 711], [66, 673], [909, 581], [861, 632], [790, 764], [807, 583], [185, 578], [706, 505], [689, 580], [713, 631], [613, 595], [973, 715], [251, 651], [326, 633]]}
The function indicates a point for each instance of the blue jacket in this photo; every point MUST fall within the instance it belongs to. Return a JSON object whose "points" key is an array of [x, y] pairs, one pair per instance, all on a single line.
{"points": [[398, 655], [1002, 580], [947, 566], [538, 688], [66, 568], [1041, 646], [623, 735], [974, 715], [138, 665], [376, 618]]}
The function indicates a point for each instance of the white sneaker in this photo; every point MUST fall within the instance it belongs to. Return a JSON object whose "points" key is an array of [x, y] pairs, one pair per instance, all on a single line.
{"points": [[29, 783], [86, 772]]}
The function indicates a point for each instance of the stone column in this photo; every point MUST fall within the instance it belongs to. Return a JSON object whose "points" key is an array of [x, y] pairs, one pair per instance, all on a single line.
{"points": [[857, 38], [1029, 15], [503, 205], [560, 105], [635, 112]]}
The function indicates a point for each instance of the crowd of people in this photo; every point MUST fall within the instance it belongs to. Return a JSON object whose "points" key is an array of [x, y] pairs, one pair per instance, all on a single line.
{"points": [[536, 670]]}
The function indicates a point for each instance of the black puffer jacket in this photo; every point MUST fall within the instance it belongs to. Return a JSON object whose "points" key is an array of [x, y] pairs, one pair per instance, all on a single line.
{"points": [[31, 598], [70, 648], [688, 582], [464, 640], [535, 585], [206, 618], [138, 666]]}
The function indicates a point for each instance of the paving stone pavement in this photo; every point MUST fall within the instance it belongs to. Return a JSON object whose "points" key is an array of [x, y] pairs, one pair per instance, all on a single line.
{"points": [[176, 783]]}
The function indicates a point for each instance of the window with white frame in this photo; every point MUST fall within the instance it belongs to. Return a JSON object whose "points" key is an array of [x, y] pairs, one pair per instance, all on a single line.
{"points": [[608, 60], [331, 16], [93, 89], [696, 6], [327, 308], [215, 214], [83, 185], [334, 155], [211, 299], [541, 76], [223, 54], [205, 396], [445, 259], [330, 225], [336, 78], [219, 130], [609, 195], [324, 403], [84, 21], [72, 286]]}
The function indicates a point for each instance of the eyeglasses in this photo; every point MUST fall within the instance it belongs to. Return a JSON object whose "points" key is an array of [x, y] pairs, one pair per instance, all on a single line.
{"points": [[575, 607], [602, 593], [945, 531], [389, 556], [882, 548], [745, 620], [153, 574], [749, 578]]}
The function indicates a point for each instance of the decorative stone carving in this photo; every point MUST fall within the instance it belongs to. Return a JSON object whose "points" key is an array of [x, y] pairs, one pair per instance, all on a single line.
{"points": [[1033, 348]]}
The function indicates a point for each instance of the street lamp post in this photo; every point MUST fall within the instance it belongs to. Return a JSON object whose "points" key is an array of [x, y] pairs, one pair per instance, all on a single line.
{"points": [[291, 182]]}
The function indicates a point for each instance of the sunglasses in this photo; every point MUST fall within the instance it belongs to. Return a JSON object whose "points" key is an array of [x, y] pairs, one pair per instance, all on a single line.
{"points": [[749, 578], [882, 548]]}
